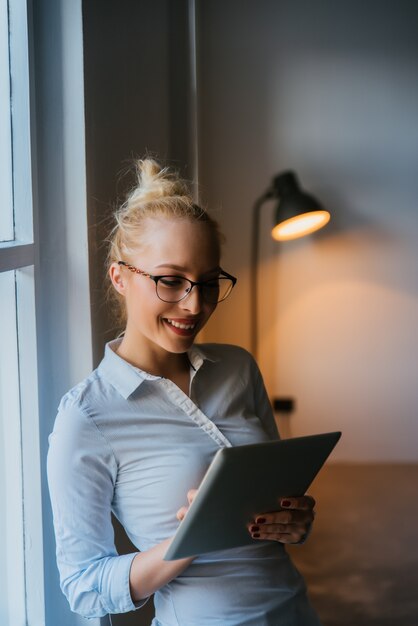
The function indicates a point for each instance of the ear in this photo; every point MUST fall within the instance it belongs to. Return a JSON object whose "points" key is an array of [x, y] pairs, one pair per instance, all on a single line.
{"points": [[117, 278]]}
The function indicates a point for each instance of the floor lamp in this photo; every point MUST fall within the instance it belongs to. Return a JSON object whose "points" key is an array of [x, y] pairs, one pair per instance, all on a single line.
{"points": [[297, 214]]}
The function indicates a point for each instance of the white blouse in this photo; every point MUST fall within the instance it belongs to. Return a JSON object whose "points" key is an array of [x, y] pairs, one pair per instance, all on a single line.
{"points": [[134, 444]]}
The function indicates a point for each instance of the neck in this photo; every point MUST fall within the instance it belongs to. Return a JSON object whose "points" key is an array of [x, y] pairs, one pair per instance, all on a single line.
{"points": [[157, 361]]}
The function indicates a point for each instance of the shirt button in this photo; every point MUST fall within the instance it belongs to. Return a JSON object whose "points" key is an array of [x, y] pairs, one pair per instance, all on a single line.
{"points": [[209, 427]]}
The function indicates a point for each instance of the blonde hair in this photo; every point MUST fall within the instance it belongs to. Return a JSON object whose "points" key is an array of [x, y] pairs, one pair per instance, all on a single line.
{"points": [[159, 192]]}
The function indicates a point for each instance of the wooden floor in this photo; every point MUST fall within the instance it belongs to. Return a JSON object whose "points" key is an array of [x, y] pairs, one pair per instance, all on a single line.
{"points": [[361, 561]]}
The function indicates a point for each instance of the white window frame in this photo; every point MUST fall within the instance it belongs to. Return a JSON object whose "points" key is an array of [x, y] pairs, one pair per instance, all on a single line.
{"points": [[18, 255], [6, 187]]}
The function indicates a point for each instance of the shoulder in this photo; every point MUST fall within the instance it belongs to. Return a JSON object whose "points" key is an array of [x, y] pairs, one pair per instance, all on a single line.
{"points": [[84, 396], [227, 355], [77, 408], [76, 432], [223, 350], [78, 393]]}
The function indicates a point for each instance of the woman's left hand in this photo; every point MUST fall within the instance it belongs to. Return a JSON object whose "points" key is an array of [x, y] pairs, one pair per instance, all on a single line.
{"points": [[182, 512], [289, 525]]}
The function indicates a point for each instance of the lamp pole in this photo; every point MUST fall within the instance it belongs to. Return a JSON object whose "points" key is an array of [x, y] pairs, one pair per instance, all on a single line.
{"points": [[254, 270]]}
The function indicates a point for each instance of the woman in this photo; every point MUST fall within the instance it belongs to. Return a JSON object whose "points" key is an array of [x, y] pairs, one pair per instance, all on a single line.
{"points": [[137, 436]]}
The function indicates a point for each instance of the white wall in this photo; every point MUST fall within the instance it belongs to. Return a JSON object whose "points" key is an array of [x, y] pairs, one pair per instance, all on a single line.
{"points": [[330, 90]]}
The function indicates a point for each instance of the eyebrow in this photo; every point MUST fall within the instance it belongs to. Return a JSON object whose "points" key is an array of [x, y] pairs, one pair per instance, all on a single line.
{"points": [[178, 268]]}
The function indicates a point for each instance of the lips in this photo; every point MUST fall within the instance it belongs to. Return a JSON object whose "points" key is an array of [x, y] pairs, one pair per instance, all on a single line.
{"points": [[182, 327]]}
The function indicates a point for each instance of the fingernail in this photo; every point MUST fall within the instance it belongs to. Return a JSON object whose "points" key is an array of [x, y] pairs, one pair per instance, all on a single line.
{"points": [[254, 529], [261, 520], [256, 535], [286, 503]]}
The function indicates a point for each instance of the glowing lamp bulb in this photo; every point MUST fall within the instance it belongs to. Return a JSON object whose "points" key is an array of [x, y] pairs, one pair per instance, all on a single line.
{"points": [[300, 225]]}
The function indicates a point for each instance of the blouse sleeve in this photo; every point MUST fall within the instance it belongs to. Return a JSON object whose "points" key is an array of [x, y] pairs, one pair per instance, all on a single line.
{"points": [[263, 406], [81, 471]]}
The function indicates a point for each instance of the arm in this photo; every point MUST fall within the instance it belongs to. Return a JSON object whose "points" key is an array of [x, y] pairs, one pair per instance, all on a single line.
{"points": [[149, 572], [82, 471], [81, 474]]}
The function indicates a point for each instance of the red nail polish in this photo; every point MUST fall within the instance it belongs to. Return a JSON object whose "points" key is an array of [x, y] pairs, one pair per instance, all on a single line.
{"points": [[286, 503], [261, 520], [256, 535], [254, 529]]}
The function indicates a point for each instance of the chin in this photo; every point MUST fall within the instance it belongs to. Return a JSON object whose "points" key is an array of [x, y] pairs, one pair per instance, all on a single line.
{"points": [[180, 345]]}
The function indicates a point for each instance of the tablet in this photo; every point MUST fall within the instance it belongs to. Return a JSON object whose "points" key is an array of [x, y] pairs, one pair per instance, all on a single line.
{"points": [[244, 481]]}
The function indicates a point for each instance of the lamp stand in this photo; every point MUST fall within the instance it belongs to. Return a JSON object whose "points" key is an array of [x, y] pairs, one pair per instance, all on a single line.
{"points": [[254, 271]]}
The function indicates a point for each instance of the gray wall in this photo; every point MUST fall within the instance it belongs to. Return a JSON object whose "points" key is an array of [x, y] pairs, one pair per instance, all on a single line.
{"points": [[330, 90], [138, 100]]}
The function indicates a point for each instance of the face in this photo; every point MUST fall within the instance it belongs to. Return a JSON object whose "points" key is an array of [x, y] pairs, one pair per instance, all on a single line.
{"points": [[172, 246]]}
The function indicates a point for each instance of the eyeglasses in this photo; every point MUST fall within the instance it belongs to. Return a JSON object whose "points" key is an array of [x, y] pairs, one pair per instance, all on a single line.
{"points": [[175, 288]]}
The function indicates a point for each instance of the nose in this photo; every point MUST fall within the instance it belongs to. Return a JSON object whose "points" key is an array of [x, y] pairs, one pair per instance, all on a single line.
{"points": [[193, 301]]}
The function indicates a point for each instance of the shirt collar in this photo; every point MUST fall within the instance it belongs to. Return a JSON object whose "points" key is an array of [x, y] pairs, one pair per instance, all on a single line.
{"points": [[199, 353], [126, 378]]}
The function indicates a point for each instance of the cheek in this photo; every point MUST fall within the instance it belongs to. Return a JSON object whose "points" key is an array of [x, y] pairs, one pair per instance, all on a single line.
{"points": [[147, 312], [139, 301]]}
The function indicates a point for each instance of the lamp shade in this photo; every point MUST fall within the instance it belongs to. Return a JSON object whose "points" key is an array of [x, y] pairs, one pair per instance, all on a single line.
{"points": [[298, 213]]}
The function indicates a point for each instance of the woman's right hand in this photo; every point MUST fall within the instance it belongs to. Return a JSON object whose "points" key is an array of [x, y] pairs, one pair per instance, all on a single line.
{"points": [[149, 570], [181, 513]]}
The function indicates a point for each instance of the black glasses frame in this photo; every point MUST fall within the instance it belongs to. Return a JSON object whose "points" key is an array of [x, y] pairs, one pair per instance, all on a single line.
{"points": [[199, 283]]}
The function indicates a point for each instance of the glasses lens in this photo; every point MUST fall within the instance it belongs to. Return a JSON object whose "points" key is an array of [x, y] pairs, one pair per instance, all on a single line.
{"points": [[175, 288], [214, 291], [172, 288]]}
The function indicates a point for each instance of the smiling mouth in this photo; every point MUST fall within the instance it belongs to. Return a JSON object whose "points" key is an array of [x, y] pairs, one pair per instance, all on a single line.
{"points": [[180, 325]]}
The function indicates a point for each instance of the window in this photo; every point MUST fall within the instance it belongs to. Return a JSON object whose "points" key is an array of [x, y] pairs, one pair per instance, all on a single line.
{"points": [[6, 193], [21, 565]]}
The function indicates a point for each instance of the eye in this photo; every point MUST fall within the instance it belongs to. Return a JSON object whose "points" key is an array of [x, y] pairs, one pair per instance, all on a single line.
{"points": [[171, 281]]}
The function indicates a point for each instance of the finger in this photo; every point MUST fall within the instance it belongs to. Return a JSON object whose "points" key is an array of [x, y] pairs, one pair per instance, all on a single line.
{"points": [[181, 513], [290, 534], [273, 529], [279, 537], [191, 494], [304, 503], [295, 516]]}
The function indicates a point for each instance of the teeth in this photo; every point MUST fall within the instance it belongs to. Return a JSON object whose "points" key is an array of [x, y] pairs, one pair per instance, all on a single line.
{"points": [[182, 326]]}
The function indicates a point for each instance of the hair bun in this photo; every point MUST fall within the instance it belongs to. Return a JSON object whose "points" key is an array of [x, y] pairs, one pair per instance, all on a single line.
{"points": [[154, 182]]}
